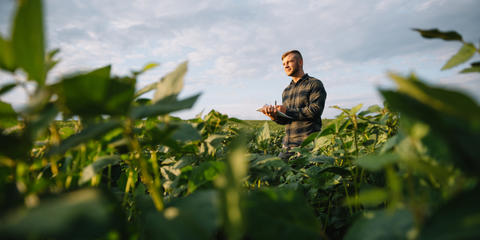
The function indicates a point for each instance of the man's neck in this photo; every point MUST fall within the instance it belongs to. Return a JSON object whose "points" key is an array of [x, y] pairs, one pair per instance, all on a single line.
{"points": [[298, 76]]}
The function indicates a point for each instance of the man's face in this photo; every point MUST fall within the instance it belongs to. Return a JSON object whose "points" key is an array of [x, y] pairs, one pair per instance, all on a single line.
{"points": [[291, 64]]}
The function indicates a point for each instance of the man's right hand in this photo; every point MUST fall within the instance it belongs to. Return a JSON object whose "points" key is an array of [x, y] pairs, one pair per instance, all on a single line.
{"points": [[270, 111]]}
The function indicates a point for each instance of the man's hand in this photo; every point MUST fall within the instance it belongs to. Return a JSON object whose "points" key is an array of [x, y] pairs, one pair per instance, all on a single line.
{"points": [[271, 111]]}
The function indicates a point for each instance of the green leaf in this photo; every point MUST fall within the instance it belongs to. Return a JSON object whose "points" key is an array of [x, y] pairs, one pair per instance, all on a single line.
{"points": [[146, 89], [464, 54], [381, 224], [95, 93], [97, 166], [193, 217], [264, 133], [145, 68], [435, 33], [171, 84], [8, 116], [470, 70], [164, 106], [28, 39], [377, 162], [7, 61], [459, 218], [355, 109], [39, 121], [475, 67], [186, 132], [7, 87], [83, 214], [371, 109], [91, 132], [441, 99], [460, 134], [49, 61], [279, 213], [337, 170], [371, 197]]}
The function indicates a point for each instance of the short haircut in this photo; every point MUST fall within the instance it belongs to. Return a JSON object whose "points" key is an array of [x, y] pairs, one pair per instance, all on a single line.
{"points": [[296, 52]]}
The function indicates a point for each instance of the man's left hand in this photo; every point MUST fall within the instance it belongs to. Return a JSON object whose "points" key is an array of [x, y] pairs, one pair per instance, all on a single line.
{"points": [[281, 108]]}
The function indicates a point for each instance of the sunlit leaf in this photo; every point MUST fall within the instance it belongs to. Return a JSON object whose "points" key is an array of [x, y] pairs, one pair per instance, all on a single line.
{"points": [[435, 33], [171, 84], [28, 39], [146, 89], [464, 54], [264, 133], [145, 68]]}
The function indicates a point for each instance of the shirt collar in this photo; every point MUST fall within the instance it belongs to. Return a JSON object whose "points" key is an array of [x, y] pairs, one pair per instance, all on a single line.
{"points": [[304, 77]]}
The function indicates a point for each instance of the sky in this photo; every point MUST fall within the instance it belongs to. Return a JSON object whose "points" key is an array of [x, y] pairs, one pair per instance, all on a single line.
{"points": [[234, 47]]}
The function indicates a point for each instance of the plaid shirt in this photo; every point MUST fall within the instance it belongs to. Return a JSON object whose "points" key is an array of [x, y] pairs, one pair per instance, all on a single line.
{"points": [[304, 101]]}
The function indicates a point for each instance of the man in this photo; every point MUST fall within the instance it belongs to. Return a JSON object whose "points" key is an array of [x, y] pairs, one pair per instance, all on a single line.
{"points": [[303, 100]]}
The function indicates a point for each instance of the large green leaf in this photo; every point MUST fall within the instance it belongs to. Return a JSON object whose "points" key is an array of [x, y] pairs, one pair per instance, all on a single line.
{"points": [[171, 84], [164, 106], [97, 166], [8, 116], [7, 61], [83, 214], [435, 33], [280, 214], [464, 54], [441, 99], [381, 224], [28, 39], [96, 93], [457, 219], [377, 162], [460, 135], [91, 132]]}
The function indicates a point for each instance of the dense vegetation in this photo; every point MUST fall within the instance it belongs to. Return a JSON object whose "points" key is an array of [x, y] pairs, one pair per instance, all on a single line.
{"points": [[120, 167]]}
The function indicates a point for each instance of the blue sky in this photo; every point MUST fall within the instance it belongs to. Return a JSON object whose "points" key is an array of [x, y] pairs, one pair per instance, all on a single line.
{"points": [[234, 47]]}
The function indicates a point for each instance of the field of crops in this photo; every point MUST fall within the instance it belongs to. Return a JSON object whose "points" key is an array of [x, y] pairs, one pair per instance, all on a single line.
{"points": [[119, 166]]}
